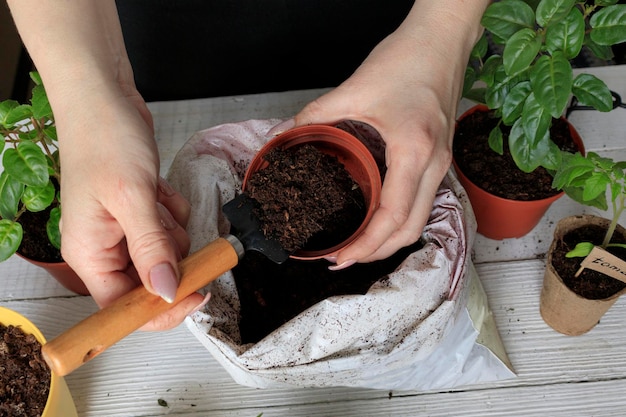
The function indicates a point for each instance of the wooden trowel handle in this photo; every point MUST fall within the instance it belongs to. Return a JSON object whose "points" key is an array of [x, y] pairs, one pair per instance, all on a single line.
{"points": [[96, 333]]}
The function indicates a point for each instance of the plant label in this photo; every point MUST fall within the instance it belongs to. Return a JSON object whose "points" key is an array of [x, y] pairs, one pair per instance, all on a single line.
{"points": [[604, 262]]}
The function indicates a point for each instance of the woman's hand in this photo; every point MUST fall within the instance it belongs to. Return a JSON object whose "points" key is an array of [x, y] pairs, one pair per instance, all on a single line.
{"points": [[408, 89], [122, 226]]}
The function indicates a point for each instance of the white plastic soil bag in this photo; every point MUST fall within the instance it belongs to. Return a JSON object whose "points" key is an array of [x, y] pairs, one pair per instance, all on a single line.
{"points": [[428, 326]]}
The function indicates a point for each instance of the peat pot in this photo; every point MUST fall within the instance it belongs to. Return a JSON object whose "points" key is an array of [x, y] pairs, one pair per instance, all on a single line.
{"points": [[561, 308]]}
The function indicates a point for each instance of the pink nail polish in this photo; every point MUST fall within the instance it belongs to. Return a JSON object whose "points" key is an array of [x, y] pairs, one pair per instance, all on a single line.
{"points": [[164, 281], [343, 265], [200, 306]]}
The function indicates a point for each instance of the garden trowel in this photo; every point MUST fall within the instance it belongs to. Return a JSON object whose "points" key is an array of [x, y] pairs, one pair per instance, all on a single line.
{"points": [[101, 330]]}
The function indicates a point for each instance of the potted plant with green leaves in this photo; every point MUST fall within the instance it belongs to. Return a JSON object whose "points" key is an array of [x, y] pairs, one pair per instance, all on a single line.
{"points": [[524, 93], [586, 266], [30, 206]]}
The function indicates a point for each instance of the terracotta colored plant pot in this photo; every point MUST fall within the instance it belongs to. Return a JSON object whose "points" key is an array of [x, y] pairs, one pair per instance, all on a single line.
{"points": [[561, 308], [500, 218], [62, 272], [350, 151], [60, 403]]}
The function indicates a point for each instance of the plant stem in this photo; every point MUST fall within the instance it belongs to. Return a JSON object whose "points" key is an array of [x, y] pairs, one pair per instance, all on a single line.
{"points": [[617, 212]]}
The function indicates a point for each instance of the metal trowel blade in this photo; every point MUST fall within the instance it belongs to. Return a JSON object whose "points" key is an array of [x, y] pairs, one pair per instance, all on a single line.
{"points": [[247, 228]]}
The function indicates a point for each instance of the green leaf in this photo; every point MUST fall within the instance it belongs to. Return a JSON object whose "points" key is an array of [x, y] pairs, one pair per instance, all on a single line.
{"points": [[567, 35], [551, 11], [18, 114], [552, 160], [480, 48], [39, 198], [476, 94], [488, 71], [5, 108], [591, 91], [496, 140], [34, 75], [41, 105], [536, 120], [506, 17], [603, 52], [527, 156], [10, 238], [514, 102], [582, 250], [469, 80], [551, 80], [572, 167], [27, 163], [595, 186], [520, 51], [609, 25], [10, 195], [52, 227]]}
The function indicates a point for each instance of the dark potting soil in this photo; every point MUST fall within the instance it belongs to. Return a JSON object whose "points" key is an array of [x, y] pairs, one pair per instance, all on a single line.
{"points": [[306, 199], [272, 294], [35, 243], [589, 284], [498, 174], [309, 201], [24, 376]]}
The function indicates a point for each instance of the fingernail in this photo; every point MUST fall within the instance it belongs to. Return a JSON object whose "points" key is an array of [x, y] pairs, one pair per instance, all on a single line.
{"points": [[165, 187], [200, 306], [342, 265], [164, 281], [167, 220], [281, 127]]}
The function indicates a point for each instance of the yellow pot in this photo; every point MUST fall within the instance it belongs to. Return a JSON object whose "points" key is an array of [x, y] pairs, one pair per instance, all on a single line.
{"points": [[60, 402]]}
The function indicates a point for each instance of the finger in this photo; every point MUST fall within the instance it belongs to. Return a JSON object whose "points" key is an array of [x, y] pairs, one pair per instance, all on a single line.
{"points": [[177, 205], [175, 230], [151, 247], [396, 204], [177, 314]]}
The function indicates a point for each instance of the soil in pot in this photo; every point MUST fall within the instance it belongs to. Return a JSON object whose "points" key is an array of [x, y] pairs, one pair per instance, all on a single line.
{"points": [[498, 174], [589, 284], [306, 199], [35, 243], [24, 375]]}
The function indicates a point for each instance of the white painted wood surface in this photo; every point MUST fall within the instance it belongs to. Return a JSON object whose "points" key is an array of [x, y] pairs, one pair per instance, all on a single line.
{"points": [[557, 375]]}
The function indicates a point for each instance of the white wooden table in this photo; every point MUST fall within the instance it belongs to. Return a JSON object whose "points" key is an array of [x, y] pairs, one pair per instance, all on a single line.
{"points": [[557, 375]]}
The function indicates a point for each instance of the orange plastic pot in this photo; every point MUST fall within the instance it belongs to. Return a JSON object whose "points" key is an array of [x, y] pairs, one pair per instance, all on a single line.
{"points": [[500, 218], [63, 273], [350, 151]]}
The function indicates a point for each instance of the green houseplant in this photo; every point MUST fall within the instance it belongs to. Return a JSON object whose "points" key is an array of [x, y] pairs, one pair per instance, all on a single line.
{"points": [[573, 299], [528, 87], [29, 184]]}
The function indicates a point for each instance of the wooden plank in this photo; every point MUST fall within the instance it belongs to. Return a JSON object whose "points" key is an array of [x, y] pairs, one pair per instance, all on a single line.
{"points": [[129, 378]]}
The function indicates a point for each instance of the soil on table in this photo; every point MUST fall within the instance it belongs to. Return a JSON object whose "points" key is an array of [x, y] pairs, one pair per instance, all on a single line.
{"points": [[272, 294], [498, 174], [35, 243], [589, 284], [24, 375], [306, 199]]}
